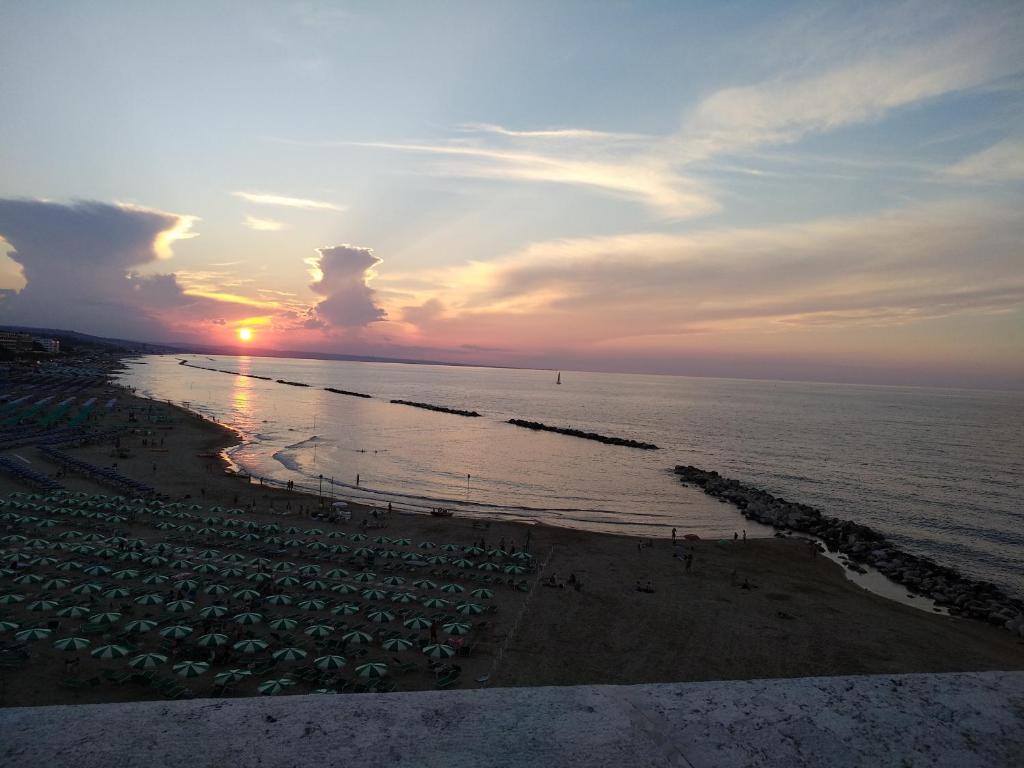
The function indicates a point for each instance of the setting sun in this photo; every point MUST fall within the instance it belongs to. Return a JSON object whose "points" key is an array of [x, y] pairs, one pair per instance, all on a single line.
{"points": [[245, 334]]}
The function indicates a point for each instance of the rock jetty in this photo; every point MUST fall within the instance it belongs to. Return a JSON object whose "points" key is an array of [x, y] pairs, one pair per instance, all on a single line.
{"points": [[291, 383], [536, 425], [187, 364], [345, 392], [962, 596], [438, 408]]}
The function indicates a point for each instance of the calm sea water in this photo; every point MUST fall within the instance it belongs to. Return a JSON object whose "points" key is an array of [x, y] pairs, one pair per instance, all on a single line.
{"points": [[938, 471]]}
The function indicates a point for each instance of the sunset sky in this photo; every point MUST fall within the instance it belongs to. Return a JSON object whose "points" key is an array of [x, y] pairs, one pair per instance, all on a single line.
{"points": [[777, 190]]}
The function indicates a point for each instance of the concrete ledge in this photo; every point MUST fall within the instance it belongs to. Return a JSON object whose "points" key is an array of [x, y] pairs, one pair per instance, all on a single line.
{"points": [[971, 719]]}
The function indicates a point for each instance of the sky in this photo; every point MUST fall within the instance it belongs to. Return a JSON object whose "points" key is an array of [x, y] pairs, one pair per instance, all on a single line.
{"points": [[772, 190]]}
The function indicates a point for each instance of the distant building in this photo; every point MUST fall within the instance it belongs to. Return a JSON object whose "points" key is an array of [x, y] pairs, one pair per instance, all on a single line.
{"points": [[15, 342], [48, 345]]}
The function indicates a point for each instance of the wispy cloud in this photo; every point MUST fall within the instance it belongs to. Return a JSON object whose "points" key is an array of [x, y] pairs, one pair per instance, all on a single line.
{"points": [[852, 81], [263, 225], [895, 267], [999, 163], [646, 179], [264, 198]]}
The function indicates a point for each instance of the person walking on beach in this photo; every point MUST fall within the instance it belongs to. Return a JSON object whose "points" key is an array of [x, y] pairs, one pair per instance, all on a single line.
{"points": [[673, 537]]}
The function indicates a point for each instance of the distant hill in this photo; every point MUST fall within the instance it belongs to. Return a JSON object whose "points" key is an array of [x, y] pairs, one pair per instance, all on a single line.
{"points": [[76, 340]]}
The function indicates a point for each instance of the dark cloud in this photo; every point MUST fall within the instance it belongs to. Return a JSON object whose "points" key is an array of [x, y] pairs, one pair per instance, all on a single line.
{"points": [[349, 302], [79, 264]]}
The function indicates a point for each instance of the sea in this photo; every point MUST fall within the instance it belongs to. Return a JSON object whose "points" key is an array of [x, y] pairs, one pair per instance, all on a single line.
{"points": [[938, 471]]}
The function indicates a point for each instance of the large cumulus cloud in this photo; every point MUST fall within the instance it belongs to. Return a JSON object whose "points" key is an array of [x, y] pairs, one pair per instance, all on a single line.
{"points": [[342, 273], [80, 265]]}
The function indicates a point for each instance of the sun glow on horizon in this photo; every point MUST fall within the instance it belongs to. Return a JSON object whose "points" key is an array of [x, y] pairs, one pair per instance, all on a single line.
{"points": [[245, 334]]}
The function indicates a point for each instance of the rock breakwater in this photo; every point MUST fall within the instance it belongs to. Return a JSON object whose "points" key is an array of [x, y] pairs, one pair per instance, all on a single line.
{"points": [[346, 392], [962, 596], [438, 408], [536, 425]]}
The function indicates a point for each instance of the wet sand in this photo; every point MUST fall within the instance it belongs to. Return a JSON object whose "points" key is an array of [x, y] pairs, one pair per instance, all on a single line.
{"points": [[801, 616]]}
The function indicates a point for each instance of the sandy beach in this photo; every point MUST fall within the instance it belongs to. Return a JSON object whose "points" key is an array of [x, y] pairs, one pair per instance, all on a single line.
{"points": [[741, 610]]}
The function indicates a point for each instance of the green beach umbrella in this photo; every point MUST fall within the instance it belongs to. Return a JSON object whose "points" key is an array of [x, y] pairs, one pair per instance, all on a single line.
{"points": [[213, 611], [397, 644], [319, 631], [452, 588], [330, 663], [107, 617], [286, 581], [231, 573], [35, 633], [155, 578], [111, 652], [336, 573], [457, 628], [435, 602], [374, 594], [86, 588], [482, 593], [372, 670], [357, 637], [345, 609], [424, 584], [279, 600], [11, 599], [403, 597], [74, 612], [125, 574], [216, 589], [57, 584], [147, 661], [290, 654], [250, 646], [117, 593], [231, 676], [514, 569], [439, 651], [344, 589], [394, 581], [151, 599], [180, 606], [190, 668], [489, 566], [417, 622], [469, 609], [365, 576], [247, 618], [176, 631], [462, 563], [43, 605], [28, 578], [284, 624], [274, 687], [71, 644], [206, 568], [140, 626], [315, 585], [312, 605], [247, 594], [212, 640], [7, 626], [380, 616]]}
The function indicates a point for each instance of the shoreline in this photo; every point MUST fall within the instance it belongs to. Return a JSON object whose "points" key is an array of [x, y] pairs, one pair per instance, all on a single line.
{"points": [[599, 608], [956, 593], [871, 579]]}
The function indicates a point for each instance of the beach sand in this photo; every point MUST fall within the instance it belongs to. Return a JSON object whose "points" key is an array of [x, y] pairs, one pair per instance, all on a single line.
{"points": [[801, 616]]}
